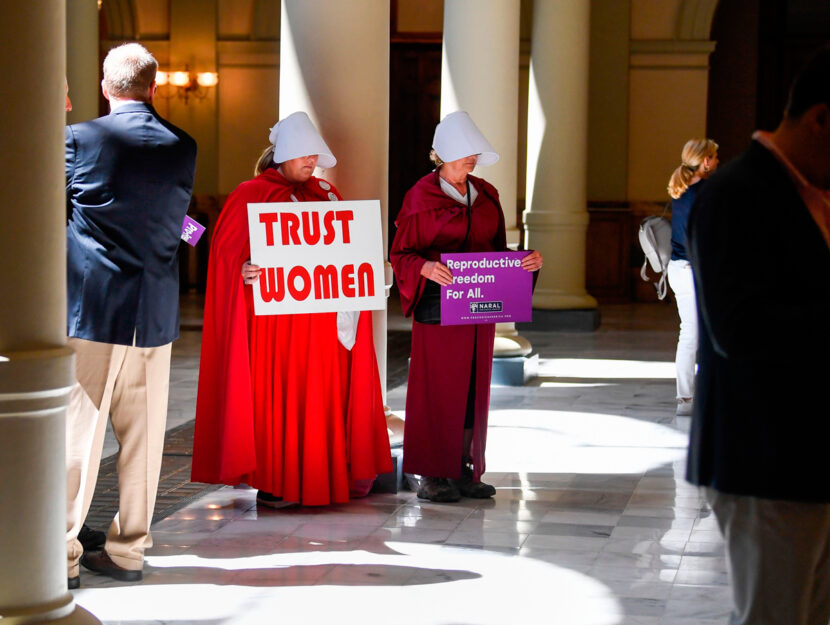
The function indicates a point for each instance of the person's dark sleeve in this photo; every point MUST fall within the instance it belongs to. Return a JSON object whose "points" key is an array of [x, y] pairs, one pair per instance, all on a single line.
{"points": [[733, 239], [407, 258], [70, 168]]}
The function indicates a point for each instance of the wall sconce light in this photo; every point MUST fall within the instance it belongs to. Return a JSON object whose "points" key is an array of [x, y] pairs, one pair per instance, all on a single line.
{"points": [[187, 84]]}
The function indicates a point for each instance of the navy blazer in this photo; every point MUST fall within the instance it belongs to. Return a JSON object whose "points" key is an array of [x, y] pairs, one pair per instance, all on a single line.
{"points": [[129, 177], [760, 421]]}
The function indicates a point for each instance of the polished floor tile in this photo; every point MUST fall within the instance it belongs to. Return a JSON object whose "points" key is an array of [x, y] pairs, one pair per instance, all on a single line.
{"points": [[592, 523]]}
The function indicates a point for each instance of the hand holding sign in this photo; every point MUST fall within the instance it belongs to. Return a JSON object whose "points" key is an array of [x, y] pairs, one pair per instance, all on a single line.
{"points": [[437, 272], [487, 287], [532, 261], [250, 273]]}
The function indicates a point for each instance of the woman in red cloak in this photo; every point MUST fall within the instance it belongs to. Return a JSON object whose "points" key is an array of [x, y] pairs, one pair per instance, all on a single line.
{"points": [[289, 404], [448, 394]]}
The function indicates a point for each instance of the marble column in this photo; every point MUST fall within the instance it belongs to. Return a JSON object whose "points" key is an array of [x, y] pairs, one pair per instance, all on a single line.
{"points": [[36, 371], [556, 217], [334, 65], [480, 74], [82, 62]]}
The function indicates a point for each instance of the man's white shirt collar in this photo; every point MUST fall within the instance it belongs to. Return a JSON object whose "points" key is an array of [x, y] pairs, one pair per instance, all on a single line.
{"points": [[116, 104]]}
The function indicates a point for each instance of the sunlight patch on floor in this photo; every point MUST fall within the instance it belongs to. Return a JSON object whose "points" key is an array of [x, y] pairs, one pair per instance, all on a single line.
{"points": [[556, 441], [493, 588], [599, 368]]}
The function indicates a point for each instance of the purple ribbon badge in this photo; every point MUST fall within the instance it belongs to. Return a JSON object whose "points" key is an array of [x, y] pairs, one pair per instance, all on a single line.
{"points": [[191, 231]]}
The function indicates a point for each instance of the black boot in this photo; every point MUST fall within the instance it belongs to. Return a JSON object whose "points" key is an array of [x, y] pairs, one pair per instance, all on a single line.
{"points": [[468, 488], [438, 489]]}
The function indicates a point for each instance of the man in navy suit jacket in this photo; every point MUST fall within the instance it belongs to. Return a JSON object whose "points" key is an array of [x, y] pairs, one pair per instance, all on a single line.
{"points": [[129, 177], [759, 235]]}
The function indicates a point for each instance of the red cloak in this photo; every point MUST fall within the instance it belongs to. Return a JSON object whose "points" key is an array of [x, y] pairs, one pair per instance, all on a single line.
{"points": [[282, 405], [445, 360]]}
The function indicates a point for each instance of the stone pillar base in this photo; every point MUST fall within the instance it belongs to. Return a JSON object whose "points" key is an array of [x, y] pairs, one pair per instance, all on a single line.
{"points": [[516, 371], [34, 392], [508, 343], [79, 616], [394, 427], [564, 320], [561, 299], [393, 481]]}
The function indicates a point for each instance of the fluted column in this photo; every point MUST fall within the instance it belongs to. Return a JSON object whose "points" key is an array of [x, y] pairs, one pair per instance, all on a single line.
{"points": [[556, 218], [480, 75], [334, 64], [82, 63], [35, 366]]}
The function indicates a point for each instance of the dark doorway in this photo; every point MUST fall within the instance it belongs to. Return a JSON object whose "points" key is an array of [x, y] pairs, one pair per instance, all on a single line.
{"points": [[760, 46], [414, 109], [733, 76]]}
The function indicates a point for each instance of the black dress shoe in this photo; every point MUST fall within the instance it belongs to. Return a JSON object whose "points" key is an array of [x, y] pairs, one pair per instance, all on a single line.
{"points": [[100, 562], [73, 582], [264, 498], [91, 539]]}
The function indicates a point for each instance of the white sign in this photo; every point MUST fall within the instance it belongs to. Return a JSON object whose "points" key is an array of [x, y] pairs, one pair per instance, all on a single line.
{"points": [[317, 256]]}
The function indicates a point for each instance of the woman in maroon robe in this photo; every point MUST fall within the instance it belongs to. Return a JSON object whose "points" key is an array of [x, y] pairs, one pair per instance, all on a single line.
{"points": [[289, 404], [448, 394]]}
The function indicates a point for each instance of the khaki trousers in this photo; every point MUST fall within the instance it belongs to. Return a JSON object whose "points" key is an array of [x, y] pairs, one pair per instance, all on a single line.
{"points": [[779, 558], [130, 386]]}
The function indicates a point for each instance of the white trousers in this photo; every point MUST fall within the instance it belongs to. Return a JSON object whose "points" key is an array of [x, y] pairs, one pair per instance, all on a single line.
{"points": [[683, 285], [778, 553], [130, 386]]}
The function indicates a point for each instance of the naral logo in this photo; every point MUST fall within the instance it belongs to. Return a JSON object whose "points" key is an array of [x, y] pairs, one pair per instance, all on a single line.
{"points": [[485, 307]]}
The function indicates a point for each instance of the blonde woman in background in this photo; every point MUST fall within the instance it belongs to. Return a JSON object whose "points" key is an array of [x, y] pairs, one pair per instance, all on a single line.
{"points": [[698, 159]]}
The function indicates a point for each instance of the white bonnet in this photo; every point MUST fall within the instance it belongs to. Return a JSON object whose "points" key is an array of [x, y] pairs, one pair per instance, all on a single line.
{"points": [[295, 136], [457, 136]]}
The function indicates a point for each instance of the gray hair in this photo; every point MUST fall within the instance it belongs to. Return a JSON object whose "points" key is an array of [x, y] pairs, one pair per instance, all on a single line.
{"points": [[129, 70]]}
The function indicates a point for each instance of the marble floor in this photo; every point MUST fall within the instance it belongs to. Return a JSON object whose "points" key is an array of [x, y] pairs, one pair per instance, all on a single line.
{"points": [[592, 522]]}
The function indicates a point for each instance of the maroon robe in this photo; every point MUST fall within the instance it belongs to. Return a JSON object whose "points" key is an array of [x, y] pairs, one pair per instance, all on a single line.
{"points": [[445, 359]]}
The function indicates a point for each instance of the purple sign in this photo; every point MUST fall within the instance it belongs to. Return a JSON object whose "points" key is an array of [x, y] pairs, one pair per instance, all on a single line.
{"points": [[487, 287], [191, 231]]}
